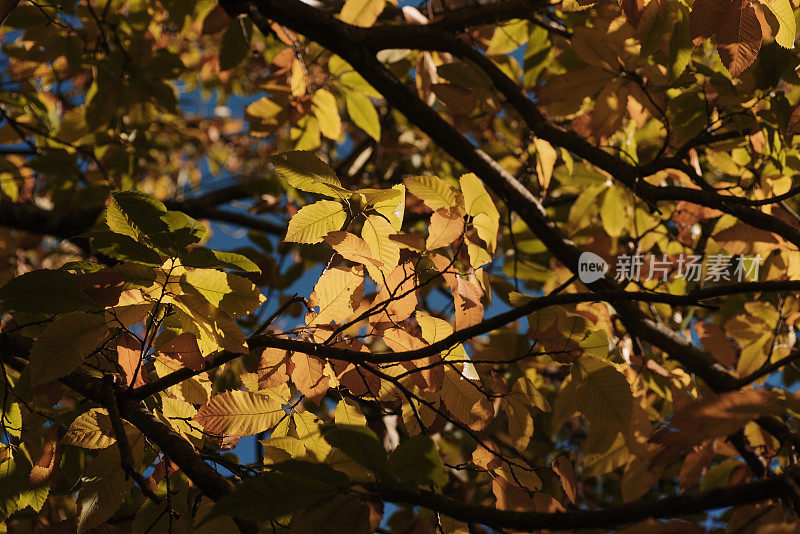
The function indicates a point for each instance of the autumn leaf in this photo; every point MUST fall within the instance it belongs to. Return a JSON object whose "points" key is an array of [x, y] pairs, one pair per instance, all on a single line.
{"points": [[337, 294], [445, 229], [434, 192], [326, 110], [738, 36], [375, 233], [238, 413], [313, 222], [304, 171], [64, 344], [362, 12]]}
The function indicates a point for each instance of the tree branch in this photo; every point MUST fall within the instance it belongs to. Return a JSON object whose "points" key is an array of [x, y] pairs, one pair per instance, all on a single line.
{"points": [[686, 504]]}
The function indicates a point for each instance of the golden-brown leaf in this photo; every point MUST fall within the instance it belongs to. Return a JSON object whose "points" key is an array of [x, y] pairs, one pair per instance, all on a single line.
{"points": [[239, 413], [445, 229]]}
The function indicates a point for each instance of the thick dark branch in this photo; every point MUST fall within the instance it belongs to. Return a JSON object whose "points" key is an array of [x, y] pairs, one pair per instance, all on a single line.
{"points": [[686, 504], [125, 455]]}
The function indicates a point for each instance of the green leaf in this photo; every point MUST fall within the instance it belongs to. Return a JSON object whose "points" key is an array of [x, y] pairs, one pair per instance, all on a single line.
{"points": [[359, 443], [15, 488], [613, 212], [313, 222], [509, 37], [45, 291], [273, 495], [12, 415], [417, 460], [304, 171], [344, 513], [154, 518], [135, 214], [64, 344], [123, 248], [235, 43], [363, 113], [230, 293], [213, 259]]}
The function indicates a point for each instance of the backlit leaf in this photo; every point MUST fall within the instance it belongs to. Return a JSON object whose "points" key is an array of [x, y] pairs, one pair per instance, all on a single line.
{"points": [[238, 413], [313, 222]]}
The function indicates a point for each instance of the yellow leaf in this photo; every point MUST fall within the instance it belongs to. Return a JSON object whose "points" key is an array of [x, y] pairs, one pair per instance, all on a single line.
{"points": [[478, 256], [508, 37], [362, 12], [212, 328], [337, 293], [433, 328], [787, 29], [92, 430], [195, 390], [315, 221], [391, 203], [232, 294], [8, 185], [324, 107], [238, 413], [351, 247], [546, 157], [305, 134], [375, 233], [487, 226], [445, 228], [178, 414], [264, 116], [298, 78], [348, 414], [476, 198], [363, 113], [305, 171], [64, 344], [434, 192], [613, 211], [307, 428]]}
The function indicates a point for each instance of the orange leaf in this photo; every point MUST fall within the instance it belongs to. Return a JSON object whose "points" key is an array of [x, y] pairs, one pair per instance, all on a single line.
{"points": [[717, 343], [129, 353], [184, 349], [308, 376], [445, 228]]}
